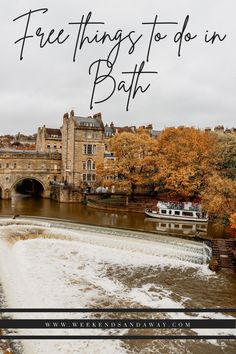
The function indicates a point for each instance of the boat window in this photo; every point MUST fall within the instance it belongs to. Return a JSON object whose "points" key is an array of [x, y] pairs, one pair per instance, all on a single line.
{"points": [[163, 211], [169, 212], [163, 225], [187, 213], [177, 212], [177, 226]]}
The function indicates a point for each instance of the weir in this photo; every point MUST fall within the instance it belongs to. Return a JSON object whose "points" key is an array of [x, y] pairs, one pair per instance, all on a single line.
{"points": [[163, 247], [75, 265]]}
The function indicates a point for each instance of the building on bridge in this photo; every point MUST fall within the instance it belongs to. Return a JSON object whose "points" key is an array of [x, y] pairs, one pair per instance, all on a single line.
{"points": [[80, 141], [68, 156], [82, 148], [49, 140]]}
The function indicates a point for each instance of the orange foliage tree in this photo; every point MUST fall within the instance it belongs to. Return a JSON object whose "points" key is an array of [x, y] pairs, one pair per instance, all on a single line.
{"points": [[134, 163], [219, 197], [232, 220], [227, 153], [185, 159]]}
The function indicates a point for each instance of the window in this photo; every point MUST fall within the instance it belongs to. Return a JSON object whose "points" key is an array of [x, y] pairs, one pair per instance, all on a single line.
{"points": [[163, 211], [177, 212], [187, 213], [7, 165], [87, 124], [14, 165], [89, 177], [89, 165], [170, 212], [89, 149]]}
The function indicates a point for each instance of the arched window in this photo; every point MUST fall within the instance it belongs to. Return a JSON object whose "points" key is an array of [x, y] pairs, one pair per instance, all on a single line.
{"points": [[89, 164]]}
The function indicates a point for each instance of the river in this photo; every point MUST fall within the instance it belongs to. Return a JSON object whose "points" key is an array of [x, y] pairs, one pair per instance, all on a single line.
{"points": [[45, 263], [24, 205]]}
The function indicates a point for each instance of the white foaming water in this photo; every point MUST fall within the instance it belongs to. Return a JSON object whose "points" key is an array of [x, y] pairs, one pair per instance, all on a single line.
{"points": [[70, 268]]}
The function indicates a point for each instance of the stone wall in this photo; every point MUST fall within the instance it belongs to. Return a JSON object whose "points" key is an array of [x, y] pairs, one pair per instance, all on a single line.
{"points": [[66, 195], [16, 166]]}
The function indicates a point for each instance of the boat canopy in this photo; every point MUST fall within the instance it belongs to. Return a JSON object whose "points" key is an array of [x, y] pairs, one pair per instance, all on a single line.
{"points": [[179, 206]]}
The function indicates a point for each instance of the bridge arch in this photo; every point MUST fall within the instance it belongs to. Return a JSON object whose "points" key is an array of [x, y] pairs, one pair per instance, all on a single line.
{"points": [[28, 185]]}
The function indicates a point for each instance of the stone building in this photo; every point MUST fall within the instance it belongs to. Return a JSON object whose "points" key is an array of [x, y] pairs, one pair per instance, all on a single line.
{"points": [[82, 147], [49, 140]]}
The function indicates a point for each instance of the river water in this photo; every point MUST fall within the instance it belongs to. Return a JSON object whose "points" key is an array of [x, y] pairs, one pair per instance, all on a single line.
{"points": [[81, 213], [47, 263]]}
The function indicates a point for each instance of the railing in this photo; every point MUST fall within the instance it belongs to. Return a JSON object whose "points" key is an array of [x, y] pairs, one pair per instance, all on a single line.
{"points": [[31, 153], [179, 206]]}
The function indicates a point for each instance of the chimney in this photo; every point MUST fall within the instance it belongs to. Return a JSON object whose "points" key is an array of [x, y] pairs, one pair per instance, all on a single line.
{"points": [[98, 116]]}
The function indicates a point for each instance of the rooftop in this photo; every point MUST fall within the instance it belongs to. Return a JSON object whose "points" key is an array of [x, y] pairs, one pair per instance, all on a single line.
{"points": [[50, 132]]}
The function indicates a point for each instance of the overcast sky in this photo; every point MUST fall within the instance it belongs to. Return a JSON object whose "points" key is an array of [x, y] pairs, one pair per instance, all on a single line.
{"points": [[198, 88]]}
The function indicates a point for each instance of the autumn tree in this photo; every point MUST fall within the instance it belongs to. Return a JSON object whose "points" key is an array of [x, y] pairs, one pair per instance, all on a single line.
{"points": [[134, 162], [185, 159], [227, 153], [232, 220], [219, 196]]}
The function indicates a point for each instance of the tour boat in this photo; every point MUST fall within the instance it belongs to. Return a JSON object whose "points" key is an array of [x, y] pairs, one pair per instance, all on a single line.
{"points": [[178, 211]]}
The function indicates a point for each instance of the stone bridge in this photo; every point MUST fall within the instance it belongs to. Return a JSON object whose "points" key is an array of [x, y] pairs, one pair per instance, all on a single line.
{"points": [[18, 166]]}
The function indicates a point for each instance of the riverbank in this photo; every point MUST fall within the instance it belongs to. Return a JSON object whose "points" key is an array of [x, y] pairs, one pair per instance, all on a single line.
{"points": [[132, 207]]}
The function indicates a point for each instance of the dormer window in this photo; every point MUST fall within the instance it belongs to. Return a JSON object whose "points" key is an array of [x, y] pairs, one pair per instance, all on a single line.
{"points": [[87, 124]]}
